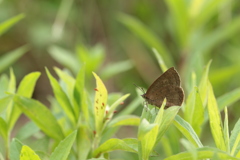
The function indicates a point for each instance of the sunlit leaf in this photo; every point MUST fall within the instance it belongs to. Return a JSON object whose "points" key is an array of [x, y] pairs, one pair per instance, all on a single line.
{"points": [[100, 103], [215, 120], [9, 23], [28, 154]]}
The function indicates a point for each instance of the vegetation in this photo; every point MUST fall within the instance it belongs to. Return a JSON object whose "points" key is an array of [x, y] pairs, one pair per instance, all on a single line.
{"points": [[84, 120]]}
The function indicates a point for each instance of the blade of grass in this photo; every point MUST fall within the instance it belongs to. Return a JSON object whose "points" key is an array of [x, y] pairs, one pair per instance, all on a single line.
{"points": [[215, 120], [10, 22]]}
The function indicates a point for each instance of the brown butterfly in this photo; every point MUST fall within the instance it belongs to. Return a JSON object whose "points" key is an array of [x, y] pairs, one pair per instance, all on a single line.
{"points": [[167, 85]]}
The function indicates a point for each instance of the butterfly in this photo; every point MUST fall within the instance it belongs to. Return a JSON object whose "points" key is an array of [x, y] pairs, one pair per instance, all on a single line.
{"points": [[166, 86]]}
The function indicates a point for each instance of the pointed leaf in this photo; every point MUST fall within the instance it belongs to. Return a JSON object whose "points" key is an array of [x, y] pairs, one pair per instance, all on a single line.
{"points": [[15, 149], [215, 120], [62, 98], [26, 88], [62, 151], [10, 22], [9, 58], [186, 129], [203, 86], [234, 141], [115, 144], [100, 103], [28, 154], [39, 113]]}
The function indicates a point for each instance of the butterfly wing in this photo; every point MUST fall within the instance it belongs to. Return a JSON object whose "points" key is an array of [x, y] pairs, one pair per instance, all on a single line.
{"points": [[167, 85], [173, 94], [170, 77]]}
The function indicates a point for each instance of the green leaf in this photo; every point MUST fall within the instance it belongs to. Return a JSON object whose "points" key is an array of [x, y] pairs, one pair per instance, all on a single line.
{"points": [[62, 98], [10, 57], [131, 107], [27, 130], [127, 120], [203, 86], [228, 98], [202, 153], [15, 149], [3, 129], [40, 115], [234, 141], [84, 141], [4, 102], [146, 36], [64, 57], [9, 23], [100, 103], [116, 68], [4, 81], [168, 117], [179, 13], [80, 100], [26, 88], [27, 84], [215, 120], [68, 80], [194, 111], [226, 130], [114, 105], [28, 154], [144, 128], [92, 58], [148, 141], [12, 82], [186, 129], [116, 144], [218, 35], [160, 60], [62, 151]]}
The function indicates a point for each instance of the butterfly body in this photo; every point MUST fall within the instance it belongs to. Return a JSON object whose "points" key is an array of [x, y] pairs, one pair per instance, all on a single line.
{"points": [[166, 86]]}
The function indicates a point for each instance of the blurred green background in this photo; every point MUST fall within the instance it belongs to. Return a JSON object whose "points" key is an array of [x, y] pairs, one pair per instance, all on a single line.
{"points": [[115, 40]]}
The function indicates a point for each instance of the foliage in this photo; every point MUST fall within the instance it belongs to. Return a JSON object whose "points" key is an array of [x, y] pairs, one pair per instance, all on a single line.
{"points": [[83, 121]]}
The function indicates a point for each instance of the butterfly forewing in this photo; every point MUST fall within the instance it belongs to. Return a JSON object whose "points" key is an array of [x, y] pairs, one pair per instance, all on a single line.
{"points": [[167, 85]]}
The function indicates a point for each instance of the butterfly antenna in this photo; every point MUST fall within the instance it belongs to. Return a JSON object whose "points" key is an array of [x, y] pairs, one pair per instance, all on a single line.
{"points": [[139, 88]]}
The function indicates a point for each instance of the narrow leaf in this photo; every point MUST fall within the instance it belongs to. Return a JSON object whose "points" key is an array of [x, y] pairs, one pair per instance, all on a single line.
{"points": [[40, 115], [234, 141], [10, 22], [186, 129], [203, 86], [115, 144], [62, 151], [228, 98], [62, 98], [100, 103], [202, 153], [9, 58], [215, 120]]}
